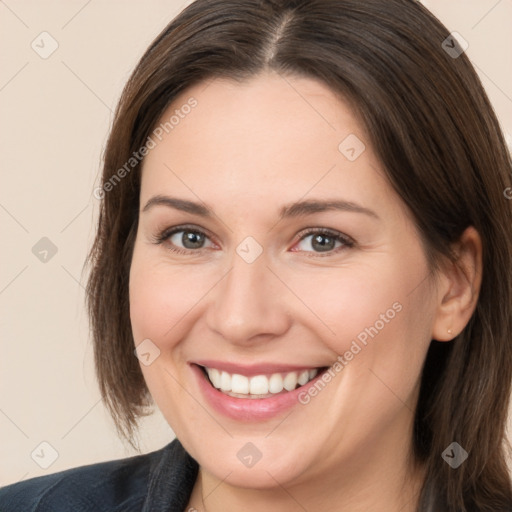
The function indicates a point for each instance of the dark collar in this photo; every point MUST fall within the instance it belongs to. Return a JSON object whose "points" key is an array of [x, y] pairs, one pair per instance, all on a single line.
{"points": [[171, 480]]}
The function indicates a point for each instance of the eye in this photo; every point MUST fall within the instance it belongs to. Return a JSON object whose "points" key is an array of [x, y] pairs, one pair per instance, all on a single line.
{"points": [[188, 239], [183, 239], [323, 240]]}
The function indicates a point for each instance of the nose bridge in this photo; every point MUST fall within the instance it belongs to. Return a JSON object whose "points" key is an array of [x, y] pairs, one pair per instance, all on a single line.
{"points": [[246, 302]]}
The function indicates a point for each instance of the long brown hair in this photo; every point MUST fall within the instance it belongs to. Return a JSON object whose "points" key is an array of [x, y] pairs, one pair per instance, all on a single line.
{"points": [[435, 132]]}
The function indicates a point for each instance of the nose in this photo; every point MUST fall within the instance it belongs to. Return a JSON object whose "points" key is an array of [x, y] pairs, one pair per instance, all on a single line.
{"points": [[249, 303]]}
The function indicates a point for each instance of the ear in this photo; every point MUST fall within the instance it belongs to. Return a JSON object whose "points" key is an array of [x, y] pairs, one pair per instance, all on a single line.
{"points": [[458, 287]]}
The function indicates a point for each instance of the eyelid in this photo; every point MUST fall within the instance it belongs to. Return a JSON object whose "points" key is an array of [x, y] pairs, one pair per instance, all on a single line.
{"points": [[327, 231], [165, 234]]}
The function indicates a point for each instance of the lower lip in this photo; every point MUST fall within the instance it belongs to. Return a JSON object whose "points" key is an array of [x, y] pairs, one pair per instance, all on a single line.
{"points": [[249, 409]]}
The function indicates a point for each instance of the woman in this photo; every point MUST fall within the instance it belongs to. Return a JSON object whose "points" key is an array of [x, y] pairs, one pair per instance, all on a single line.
{"points": [[305, 236]]}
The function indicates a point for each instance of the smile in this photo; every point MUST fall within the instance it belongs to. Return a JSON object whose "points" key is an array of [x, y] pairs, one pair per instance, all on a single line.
{"points": [[255, 393], [258, 386]]}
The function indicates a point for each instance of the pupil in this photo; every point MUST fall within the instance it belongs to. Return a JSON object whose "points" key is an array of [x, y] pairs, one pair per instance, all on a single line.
{"points": [[192, 240], [324, 243]]}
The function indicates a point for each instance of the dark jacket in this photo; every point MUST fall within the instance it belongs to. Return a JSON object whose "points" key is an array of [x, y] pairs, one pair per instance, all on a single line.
{"points": [[156, 482]]}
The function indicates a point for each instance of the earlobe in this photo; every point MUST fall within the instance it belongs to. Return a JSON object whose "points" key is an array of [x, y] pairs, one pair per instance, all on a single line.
{"points": [[458, 287]]}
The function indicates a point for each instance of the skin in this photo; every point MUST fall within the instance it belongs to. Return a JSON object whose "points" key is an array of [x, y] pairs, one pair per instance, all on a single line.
{"points": [[246, 150]]}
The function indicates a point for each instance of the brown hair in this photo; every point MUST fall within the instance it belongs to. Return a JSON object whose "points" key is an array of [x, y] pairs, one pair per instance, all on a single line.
{"points": [[435, 132]]}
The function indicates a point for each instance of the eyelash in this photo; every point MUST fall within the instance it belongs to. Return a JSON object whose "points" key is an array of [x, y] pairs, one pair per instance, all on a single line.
{"points": [[336, 235]]}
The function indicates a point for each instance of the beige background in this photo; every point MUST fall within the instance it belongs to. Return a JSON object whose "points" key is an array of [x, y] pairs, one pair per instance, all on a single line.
{"points": [[55, 115]]}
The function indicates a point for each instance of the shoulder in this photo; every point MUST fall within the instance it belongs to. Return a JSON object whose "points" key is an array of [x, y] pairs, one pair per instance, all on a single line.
{"points": [[113, 486]]}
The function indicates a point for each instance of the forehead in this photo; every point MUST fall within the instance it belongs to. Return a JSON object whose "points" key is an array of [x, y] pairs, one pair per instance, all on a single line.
{"points": [[268, 138]]}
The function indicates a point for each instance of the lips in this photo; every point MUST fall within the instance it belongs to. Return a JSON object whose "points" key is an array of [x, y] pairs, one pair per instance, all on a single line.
{"points": [[257, 406]]}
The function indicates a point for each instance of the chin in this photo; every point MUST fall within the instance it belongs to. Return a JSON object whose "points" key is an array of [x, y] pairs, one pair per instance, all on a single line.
{"points": [[241, 464]]}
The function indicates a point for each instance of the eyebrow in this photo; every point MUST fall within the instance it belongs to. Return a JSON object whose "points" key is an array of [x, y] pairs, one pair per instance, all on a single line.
{"points": [[315, 206], [297, 209], [179, 204]]}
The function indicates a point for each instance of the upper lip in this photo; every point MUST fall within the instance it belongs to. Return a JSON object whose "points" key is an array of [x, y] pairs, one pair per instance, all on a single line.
{"points": [[253, 369]]}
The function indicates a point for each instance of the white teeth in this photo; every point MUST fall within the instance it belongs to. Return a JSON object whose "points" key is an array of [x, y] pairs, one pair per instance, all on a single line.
{"points": [[240, 384], [214, 375], [290, 381], [260, 385], [275, 383], [225, 381], [303, 377]]}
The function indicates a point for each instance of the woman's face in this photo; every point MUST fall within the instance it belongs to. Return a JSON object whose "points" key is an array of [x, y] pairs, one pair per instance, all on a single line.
{"points": [[270, 246]]}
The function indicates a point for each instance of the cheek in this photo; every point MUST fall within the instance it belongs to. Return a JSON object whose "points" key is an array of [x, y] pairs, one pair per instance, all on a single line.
{"points": [[381, 338], [373, 317], [161, 296], [348, 303]]}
